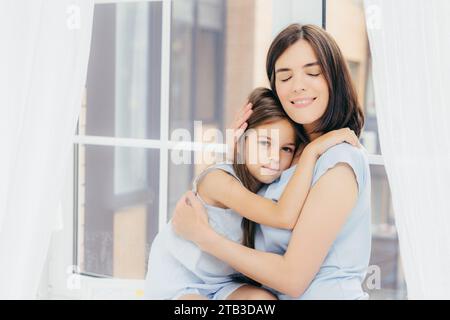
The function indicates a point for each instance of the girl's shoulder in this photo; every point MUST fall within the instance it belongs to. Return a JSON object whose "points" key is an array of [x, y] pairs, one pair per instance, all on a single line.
{"points": [[217, 171], [209, 183]]}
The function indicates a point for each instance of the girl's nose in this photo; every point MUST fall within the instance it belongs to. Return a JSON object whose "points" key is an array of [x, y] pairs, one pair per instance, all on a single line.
{"points": [[274, 161]]}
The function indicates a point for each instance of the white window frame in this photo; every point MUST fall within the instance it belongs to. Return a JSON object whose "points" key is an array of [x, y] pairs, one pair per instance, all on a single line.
{"points": [[60, 280]]}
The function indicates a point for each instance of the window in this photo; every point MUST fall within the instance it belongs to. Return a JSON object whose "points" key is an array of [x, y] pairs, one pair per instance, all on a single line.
{"points": [[156, 67], [345, 21], [118, 186]]}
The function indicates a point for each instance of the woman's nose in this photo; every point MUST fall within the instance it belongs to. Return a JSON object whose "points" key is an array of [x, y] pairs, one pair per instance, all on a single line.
{"points": [[298, 85]]}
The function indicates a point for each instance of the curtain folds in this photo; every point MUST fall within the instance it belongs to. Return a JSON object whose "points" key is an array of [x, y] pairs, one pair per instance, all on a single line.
{"points": [[410, 46], [44, 58]]}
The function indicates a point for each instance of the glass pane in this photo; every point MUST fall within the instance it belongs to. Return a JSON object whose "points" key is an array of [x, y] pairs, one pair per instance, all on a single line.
{"points": [[345, 21], [117, 209], [385, 253], [198, 40], [123, 91], [197, 63]]}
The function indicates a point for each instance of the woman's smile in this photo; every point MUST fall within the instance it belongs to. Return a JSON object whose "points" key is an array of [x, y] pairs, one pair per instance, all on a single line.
{"points": [[302, 102]]}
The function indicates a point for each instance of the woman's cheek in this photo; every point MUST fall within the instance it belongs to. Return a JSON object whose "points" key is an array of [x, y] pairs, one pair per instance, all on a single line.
{"points": [[282, 91]]}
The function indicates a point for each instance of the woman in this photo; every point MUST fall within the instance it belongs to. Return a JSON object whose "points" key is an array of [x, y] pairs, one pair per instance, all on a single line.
{"points": [[327, 253]]}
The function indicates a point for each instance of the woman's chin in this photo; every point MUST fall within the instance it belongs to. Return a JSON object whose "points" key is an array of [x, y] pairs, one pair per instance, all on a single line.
{"points": [[303, 118]]}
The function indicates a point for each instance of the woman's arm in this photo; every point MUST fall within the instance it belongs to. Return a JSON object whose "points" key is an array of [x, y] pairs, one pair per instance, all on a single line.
{"points": [[316, 229], [225, 189]]}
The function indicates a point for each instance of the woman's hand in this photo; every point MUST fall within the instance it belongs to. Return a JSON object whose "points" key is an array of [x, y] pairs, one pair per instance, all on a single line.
{"points": [[238, 126], [332, 138], [190, 219]]}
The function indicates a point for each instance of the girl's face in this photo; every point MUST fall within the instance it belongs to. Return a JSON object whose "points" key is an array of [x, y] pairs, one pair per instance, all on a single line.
{"points": [[301, 85], [269, 150]]}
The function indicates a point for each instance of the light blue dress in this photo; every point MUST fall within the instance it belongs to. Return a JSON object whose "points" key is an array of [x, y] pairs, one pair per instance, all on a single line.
{"points": [[177, 267], [345, 266]]}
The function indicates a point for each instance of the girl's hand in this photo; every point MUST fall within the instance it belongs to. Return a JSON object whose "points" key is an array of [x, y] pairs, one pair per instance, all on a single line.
{"points": [[332, 138], [190, 219], [238, 126]]}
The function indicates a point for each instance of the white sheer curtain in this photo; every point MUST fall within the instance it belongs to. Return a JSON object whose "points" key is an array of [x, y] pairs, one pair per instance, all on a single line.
{"points": [[43, 62], [410, 45]]}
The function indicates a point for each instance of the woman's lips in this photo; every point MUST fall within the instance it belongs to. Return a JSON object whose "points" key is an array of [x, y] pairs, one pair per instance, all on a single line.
{"points": [[302, 102]]}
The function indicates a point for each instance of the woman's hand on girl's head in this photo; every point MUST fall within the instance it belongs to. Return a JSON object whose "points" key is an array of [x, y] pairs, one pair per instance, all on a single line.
{"points": [[238, 126], [190, 219], [332, 138], [240, 120]]}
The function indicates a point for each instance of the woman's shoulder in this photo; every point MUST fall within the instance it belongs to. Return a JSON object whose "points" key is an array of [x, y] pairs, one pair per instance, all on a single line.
{"points": [[353, 156], [345, 151]]}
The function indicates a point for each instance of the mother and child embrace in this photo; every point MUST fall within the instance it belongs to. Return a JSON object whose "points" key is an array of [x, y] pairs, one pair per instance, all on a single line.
{"points": [[293, 222]]}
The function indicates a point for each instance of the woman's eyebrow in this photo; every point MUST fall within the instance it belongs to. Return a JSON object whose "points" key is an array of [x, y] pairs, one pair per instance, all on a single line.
{"points": [[315, 63], [310, 64], [282, 70]]}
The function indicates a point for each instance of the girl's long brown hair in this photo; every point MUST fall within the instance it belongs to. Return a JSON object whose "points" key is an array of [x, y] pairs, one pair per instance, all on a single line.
{"points": [[266, 109]]}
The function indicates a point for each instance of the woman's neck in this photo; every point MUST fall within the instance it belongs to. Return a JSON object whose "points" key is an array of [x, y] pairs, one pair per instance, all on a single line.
{"points": [[313, 136], [309, 128]]}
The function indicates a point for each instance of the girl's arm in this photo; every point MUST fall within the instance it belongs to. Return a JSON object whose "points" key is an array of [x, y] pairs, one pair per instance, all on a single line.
{"points": [[221, 187], [316, 229], [225, 189]]}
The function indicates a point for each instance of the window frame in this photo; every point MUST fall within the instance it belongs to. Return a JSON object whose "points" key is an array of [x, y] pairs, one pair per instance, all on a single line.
{"points": [[60, 279]]}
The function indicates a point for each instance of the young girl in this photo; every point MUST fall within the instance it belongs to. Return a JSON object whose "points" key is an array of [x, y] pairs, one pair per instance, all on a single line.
{"points": [[178, 269]]}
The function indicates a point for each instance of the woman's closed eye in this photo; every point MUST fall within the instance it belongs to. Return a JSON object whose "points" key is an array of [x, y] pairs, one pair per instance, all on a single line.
{"points": [[309, 74], [313, 72]]}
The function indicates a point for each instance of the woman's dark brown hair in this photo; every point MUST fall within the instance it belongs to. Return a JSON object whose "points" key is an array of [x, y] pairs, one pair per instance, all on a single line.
{"points": [[343, 109], [266, 109]]}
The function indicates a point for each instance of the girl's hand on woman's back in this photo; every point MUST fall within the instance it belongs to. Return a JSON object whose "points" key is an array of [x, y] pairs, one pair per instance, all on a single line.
{"points": [[332, 138]]}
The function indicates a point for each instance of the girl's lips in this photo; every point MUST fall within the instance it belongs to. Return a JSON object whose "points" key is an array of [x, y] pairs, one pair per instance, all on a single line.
{"points": [[303, 102], [268, 171]]}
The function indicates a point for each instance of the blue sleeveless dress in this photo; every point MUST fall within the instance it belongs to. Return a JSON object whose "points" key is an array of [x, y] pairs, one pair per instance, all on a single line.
{"points": [[345, 266], [177, 267]]}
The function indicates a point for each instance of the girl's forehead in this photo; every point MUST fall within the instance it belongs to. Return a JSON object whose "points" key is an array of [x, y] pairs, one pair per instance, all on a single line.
{"points": [[277, 128]]}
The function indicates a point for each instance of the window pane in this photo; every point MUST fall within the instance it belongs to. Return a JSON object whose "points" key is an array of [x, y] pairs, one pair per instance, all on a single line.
{"points": [[345, 21], [123, 81], [117, 209], [385, 250], [197, 63]]}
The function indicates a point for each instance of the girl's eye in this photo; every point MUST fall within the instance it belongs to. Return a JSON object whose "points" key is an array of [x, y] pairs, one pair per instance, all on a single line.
{"points": [[264, 142], [287, 149], [284, 80], [313, 74]]}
